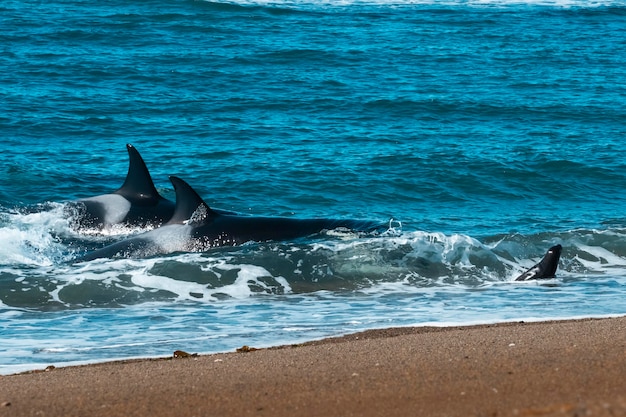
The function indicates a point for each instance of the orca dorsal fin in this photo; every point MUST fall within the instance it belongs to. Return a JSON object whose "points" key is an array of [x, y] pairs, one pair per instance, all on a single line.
{"points": [[138, 183], [190, 207], [546, 268]]}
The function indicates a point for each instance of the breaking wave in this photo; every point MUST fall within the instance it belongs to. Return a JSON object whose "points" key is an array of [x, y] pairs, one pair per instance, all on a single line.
{"points": [[36, 271]]}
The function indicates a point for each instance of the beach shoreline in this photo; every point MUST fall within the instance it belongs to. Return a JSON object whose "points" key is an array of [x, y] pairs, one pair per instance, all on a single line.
{"points": [[570, 368]]}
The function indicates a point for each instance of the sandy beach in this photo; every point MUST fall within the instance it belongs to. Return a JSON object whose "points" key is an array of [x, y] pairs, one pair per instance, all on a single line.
{"points": [[565, 368]]}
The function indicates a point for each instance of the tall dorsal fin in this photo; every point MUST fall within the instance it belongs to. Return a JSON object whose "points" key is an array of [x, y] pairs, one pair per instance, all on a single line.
{"points": [[190, 207], [138, 183]]}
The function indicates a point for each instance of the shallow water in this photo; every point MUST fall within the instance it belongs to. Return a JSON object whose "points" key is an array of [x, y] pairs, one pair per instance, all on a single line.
{"points": [[482, 132]]}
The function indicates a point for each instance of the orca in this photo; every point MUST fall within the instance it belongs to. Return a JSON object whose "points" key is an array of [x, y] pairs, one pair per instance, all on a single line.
{"points": [[195, 227], [546, 268], [136, 203]]}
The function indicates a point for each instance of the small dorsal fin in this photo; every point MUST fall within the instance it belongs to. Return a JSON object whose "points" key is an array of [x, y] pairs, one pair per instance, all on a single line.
{"points": [[189, 205], [138, 183]]}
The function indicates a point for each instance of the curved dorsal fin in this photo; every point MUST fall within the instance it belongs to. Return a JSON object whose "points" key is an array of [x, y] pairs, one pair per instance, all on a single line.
{"points": [[190, 207], [138, 183]]}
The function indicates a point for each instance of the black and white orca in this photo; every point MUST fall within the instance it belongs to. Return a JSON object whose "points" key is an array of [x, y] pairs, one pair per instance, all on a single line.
{"points": [[195, 227], [137, 203], [546, 268]]}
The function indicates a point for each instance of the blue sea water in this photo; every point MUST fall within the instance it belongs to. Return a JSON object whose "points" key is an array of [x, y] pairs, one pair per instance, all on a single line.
{"points": [[488, 130]]}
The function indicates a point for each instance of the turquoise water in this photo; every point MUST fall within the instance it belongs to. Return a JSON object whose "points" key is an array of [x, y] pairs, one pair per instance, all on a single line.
{"points": [[487, 130]]}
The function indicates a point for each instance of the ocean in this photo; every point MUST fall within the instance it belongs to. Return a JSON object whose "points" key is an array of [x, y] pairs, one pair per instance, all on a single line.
{"points": [[481, 131]]}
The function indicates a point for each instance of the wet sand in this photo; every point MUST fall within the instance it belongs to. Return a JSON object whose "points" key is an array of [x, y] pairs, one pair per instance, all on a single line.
{"points": [[566, 368]]}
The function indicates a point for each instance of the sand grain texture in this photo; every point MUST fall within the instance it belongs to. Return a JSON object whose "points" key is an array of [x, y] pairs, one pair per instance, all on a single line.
{"points": [[569, 368]]}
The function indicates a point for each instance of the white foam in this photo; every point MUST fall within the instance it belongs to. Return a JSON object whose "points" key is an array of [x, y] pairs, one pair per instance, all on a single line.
{"points": [[116, 230], [31, 239], [254, 296], [604, 257], [397, 3], [249, 274], [143, 279]]}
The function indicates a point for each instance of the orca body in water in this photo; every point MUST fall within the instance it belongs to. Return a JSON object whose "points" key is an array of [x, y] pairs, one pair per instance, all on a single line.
{"points": [[195, 227], [190, 225], [546, 268], [136, 203]]}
